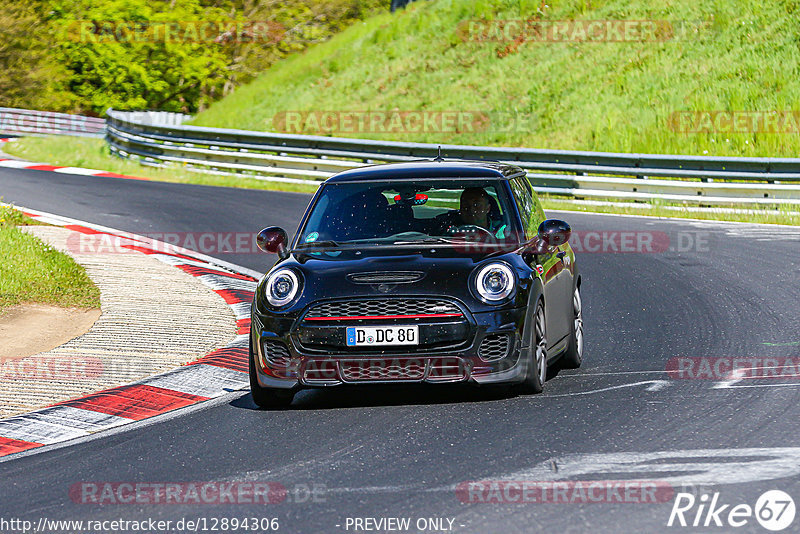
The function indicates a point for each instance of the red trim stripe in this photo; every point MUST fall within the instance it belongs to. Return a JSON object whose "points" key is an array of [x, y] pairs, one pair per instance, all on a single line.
{"points": [[243, 326], [194, 270], [44, 167], [10, 446], [354, 317], [115, 175], [83, 229], [149, 251], [135, 402], [234, 358], [234, 296]]}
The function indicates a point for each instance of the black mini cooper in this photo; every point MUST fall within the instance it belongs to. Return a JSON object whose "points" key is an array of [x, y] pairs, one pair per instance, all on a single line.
{"points": [[432, 271]]}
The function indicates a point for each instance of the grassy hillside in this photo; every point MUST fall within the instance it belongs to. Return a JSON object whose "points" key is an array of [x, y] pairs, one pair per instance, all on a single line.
{"points": [[735, 55]]}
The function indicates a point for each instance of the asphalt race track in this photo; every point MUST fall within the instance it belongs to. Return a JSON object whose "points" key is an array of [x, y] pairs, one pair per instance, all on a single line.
{"points": [[730, 291]]}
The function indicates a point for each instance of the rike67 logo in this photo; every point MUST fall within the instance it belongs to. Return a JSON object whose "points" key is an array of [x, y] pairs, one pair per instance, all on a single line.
{"points": [[774, 510]]}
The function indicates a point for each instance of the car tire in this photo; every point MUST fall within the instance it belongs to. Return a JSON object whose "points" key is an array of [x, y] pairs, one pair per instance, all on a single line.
{"points": [[573, 356], [267, 398], [536, 372]]}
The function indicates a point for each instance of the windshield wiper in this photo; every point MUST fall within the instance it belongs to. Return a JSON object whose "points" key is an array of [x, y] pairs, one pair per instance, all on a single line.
{"points": [[328, 243], [428, 240]]}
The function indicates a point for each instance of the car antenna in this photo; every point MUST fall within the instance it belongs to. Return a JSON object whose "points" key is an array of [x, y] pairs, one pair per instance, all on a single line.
{"points": [[439, 156]]}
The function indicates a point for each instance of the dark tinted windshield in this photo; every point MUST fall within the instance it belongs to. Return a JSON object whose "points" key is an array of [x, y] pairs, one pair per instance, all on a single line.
{"points": [[401, 213]]}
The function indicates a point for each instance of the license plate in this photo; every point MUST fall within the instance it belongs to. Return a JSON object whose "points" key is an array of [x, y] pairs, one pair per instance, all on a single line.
{"points": [[374, 336]]}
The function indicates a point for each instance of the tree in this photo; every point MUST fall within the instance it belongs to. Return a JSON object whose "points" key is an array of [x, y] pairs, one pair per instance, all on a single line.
{"points": [[89, 55], [28, 70], [139, 54]]}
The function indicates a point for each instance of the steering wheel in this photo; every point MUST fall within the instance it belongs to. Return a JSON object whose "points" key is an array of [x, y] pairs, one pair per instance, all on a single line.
{"points": [[470, 230]]}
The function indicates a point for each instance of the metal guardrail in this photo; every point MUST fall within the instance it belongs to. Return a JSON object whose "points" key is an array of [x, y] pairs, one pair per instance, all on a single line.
{"points": [[29, 122], [302, 158]]}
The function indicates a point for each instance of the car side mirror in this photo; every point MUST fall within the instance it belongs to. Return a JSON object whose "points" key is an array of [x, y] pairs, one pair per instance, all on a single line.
{"points": [[554, 232], [273, 240], [551, 233]]}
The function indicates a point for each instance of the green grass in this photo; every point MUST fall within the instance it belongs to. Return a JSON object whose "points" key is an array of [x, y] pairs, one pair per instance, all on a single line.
{"points": [[93, 153], [33, 272], [612, 96]]}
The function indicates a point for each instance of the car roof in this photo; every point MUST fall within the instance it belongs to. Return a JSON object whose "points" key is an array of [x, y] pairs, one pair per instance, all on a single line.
{"points": [[429, 169]]}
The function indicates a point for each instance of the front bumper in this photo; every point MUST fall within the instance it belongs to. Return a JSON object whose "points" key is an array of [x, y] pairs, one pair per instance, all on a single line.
{"points": [[289, 353]]}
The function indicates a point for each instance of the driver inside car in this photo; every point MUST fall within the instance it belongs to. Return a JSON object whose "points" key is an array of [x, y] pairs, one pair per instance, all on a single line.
{"points": [[475, 209]]}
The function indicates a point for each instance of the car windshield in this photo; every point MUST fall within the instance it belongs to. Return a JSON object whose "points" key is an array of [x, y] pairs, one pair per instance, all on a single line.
{"points": [[398, 214]]}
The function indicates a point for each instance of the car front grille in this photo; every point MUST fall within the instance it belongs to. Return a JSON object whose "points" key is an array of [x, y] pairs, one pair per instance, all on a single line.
{"points": [[494, 347], [407, 369], [378, 309], [361, 370]]}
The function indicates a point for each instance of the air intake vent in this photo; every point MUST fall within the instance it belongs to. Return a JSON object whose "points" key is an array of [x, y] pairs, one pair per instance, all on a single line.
{"points": [[386, 277], [276, 353], [494, 347]]}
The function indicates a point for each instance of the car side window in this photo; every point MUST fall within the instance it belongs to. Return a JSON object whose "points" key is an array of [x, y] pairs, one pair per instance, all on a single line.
{"points": [[538, 215], [530, 209]]}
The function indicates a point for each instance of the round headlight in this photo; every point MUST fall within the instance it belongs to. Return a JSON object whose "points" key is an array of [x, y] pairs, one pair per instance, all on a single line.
{"points": [[495, 282], [281, 287]]}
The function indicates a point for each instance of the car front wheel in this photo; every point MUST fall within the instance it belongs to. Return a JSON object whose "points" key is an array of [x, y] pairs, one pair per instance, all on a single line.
{"points": [[536, 373], [574, 354]]}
